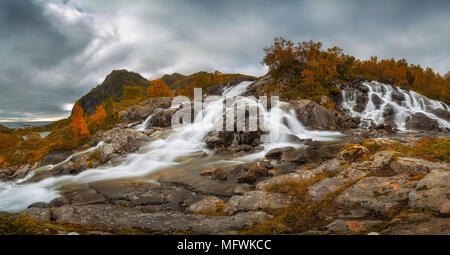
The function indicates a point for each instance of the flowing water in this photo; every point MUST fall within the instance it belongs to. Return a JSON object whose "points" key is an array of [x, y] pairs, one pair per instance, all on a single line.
{"points": [[412, 103], [165, 153]]}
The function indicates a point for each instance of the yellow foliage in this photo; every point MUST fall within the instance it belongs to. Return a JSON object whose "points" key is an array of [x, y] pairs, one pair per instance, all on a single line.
{"points": [[78, 123], [159, 89]]}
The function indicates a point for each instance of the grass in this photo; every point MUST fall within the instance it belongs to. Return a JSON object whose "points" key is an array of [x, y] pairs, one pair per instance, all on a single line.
{"points": [[429, 148]]}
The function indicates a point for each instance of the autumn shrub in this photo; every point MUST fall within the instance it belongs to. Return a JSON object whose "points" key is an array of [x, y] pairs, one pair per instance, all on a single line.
{"points": [[158, 88], [312, 71]]}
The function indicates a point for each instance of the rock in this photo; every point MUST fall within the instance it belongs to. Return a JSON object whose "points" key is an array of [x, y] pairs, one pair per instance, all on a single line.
{"points": [[377, 101], [210, 203], [383, 195], [361, 102], [116, 217], [432, 192], [215, 174], [434, 226], [219, 139], [41, 214], [55, 157], [112, 87], [250, 173], [293, 155], [414, 166], [420, 121], [285, 179], [356, 226], [348, 122], [276, 153], [256, 200], [121, 141], [441, 113], [397, 96], [319, 190], [324, 100], [352, 153], [162, 117], [135, 113], [313, 115], [389, 115]]}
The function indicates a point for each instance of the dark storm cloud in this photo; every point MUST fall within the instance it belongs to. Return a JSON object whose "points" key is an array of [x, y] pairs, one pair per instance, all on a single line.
{"points": [[55, 51]]}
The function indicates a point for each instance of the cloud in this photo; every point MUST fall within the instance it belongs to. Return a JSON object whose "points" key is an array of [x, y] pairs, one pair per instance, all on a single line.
{"points": [[55, 51]]}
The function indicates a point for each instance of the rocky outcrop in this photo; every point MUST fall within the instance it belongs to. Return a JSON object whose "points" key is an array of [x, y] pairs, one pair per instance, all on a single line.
{"points": [[112, 87], [135, 113], [210, 203], [158, 222], [121, 141], [313, 115], [432, 192], [162, 117], [299, 175], [256, 200], [420, 121]]}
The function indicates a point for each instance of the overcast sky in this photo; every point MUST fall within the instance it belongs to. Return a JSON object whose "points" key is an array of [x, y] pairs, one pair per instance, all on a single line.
{"points": [[53, 52]]}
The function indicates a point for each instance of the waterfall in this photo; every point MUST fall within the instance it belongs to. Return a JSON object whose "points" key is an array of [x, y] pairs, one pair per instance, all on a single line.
{"points": [[162, 153], [382, 97]]}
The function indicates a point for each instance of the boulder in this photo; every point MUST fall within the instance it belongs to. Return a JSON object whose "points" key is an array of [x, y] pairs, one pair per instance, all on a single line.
{"points": [[162, 117], [121, 141], [256, 200], [397, 96], [420, 121], [135, 113], [377, 101], [253, 172], [361, 102], [313, 115], [288, 154], [441, 113], [219, 139], [413, 166], [215, 174]]}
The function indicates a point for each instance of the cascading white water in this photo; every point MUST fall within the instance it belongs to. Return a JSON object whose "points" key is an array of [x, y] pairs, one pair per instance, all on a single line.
{"points": [[412, 103], [162, 153]]}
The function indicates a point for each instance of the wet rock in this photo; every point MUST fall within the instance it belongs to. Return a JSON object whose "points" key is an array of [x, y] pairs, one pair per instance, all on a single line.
{"points": [[432, 192], [256, 200], [219, 139], [441, 113], [419, 121], [293, 155], [121, 141], [210, 203], [215, 174], [348, 122], [56, 157], [389, 115], [383, 195], [162, 117], [397, 96], [251, 172], [285, 179], [159, 102], [313, 115], [135, 113], [361, 102], [377, 101], [276, 153]]}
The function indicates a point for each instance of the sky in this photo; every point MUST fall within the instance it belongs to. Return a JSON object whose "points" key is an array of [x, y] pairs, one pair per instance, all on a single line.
{"points": [[54, 51]]}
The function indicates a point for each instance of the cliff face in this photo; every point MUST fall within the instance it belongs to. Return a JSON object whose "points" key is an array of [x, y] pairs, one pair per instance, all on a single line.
{"points": [[111, 87]]}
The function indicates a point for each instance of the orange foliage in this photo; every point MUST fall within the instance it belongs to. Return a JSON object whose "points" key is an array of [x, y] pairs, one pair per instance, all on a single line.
{"points": [[78, 123], [99, 116], [3, 162], [159, 89], [315, 69]]}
